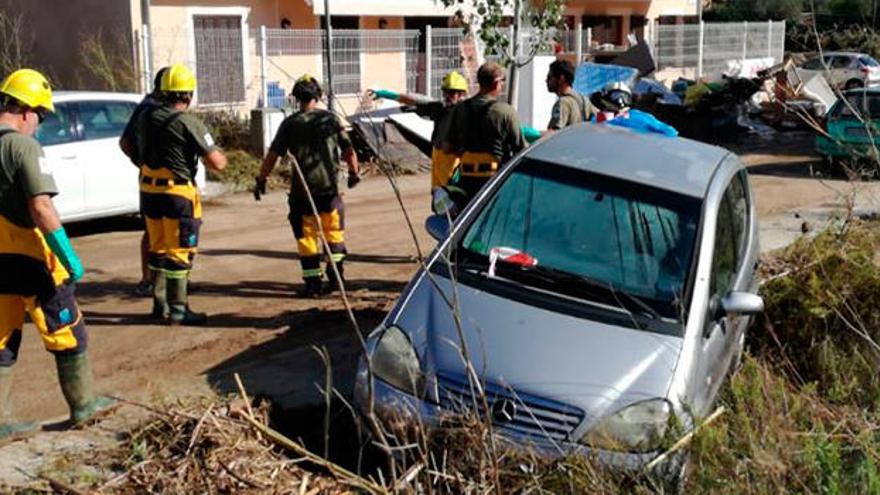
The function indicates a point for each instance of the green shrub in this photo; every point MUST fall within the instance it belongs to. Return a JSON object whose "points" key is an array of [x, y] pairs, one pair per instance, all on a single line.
{"points": [[823, 317], [229, 130]]}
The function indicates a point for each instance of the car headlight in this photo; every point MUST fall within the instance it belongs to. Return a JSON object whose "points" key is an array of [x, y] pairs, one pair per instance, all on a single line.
{"points": [[640, 427], [395, 361]]}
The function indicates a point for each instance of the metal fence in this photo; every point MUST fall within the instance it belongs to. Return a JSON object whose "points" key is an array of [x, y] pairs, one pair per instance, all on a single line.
{"points": [[709, 49]]}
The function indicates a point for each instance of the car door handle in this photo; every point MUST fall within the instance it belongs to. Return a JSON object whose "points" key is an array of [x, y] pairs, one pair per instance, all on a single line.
{"points": [[69, 157]]}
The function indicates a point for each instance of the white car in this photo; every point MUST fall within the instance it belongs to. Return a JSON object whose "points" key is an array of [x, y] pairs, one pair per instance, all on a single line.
{"points": [[845, 70], [81, 143]]}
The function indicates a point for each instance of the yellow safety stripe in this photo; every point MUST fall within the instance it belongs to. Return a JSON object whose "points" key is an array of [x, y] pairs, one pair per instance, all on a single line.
{"points": [[313, 272], [337, 257]]}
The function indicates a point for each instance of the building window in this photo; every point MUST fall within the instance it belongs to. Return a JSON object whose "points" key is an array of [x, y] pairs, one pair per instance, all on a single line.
{"points": [[219, 59]]}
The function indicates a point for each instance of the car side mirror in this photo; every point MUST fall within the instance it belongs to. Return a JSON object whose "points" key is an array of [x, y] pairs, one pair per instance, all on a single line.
{"points": [[741, 303], [437, 226]]}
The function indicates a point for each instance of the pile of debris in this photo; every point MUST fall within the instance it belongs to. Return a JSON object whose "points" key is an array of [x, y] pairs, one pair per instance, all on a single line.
{"points": [[207, 447]]}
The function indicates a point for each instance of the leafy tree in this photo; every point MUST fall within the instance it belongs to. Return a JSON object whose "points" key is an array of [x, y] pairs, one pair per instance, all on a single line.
{"points": [[757, 10], [491, 18]]}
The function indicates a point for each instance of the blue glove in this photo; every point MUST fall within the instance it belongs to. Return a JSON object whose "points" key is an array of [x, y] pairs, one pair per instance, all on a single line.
{"points": [[530, 133], [387, 94], [60, 245]]}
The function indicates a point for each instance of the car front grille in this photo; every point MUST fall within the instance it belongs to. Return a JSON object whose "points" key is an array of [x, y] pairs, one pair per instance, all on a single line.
{"points": [[529, 416]]}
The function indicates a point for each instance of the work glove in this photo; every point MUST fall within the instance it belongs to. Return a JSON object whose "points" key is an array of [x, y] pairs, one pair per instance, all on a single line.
{"points": [[259, 188], [61, 247], [383, 93], [530, 133], [353, 179]]}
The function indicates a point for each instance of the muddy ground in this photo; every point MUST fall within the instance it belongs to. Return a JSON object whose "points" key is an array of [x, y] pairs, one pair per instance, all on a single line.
{"points": [[246, 275]]}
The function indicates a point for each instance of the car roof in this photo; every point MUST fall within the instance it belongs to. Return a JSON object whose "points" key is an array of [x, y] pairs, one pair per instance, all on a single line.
{"points": [[845, 54], [67, 96], [674, 164], [857, 91]]}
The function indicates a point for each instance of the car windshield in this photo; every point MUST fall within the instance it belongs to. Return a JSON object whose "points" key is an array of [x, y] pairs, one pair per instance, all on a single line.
{"points": [[862, 102], [868, 61], [635, 240]]}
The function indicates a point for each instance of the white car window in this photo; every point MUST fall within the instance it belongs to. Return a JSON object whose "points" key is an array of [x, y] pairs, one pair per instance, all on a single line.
{"points": [[104, 119], [57, 128], [840, 62]]}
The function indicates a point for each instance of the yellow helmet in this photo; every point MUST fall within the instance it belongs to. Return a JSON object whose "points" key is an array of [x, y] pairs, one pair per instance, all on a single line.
{"points": [[178, 79], [454, 82], [30, 88]]}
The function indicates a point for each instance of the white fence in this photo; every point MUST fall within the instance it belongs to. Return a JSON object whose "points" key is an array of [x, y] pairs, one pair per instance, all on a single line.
{"points": [[241, 67], [707, 48]]}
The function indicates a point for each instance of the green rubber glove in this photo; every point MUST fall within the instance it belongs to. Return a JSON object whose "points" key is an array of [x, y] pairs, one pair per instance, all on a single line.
{"points": [[531, 134], [60, 245], [387, 94]]}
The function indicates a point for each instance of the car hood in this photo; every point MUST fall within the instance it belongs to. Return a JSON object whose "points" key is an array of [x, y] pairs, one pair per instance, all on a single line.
{"points": [[593, 366]]}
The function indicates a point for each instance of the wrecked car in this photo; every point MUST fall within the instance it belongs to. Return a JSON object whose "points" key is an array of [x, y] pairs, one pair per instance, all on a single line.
{"points": [[597, 291]]}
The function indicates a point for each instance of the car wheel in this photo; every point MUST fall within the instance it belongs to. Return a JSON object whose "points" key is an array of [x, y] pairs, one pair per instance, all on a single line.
{"points": [[854, 84]]}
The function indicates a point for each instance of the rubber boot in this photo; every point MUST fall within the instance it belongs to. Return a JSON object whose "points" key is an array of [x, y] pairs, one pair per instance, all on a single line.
{"points": [[177, 301], [9, 428], [313, 288], [75, 377], [332, 282], [160, 296]]}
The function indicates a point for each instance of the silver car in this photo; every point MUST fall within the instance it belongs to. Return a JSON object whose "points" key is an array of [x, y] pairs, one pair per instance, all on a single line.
{"points": [[604, 282]]}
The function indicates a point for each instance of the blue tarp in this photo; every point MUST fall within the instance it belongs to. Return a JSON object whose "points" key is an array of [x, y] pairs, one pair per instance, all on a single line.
{"points": [[643, 122], [590, 77]]}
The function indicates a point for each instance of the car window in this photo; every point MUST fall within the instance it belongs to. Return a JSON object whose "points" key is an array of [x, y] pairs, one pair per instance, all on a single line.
{"points": [[868, 61], [104, 119], [737, 195], [57, 128], [840, 62], [865, 104], [726, 254], [635, 238], [813, 64]]}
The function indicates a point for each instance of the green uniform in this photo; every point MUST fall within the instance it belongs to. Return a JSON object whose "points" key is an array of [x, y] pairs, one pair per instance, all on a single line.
{"points": [[168, 144], [21, 158], [443, 165], [32, 279], [486, 133], [167, 138], [315, 138], [571, 108], [437, 112]]}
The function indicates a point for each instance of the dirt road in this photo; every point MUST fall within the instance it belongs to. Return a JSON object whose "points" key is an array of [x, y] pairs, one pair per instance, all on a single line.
{"points": [[245, 277]]}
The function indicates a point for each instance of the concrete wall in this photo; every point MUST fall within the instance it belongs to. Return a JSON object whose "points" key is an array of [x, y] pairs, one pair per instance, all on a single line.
{"points": [[58, 28]]}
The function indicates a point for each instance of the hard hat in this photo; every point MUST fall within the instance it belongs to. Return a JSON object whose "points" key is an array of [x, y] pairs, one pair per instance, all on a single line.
{"points": [[613, 98], [454, 82], [306, 88], [28, 87], [178, 79]]}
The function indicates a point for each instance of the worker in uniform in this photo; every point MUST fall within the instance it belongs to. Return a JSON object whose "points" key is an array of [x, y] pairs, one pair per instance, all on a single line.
{"points": [[169, 142], [145, 285], [317, 141], [570, 108], [38, 266], [454, 87], [484, 132]]}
